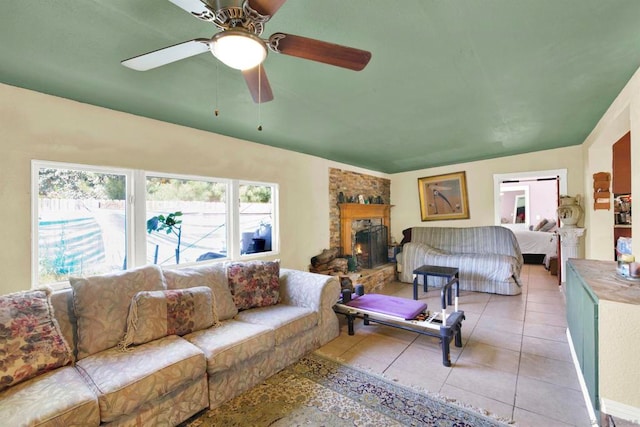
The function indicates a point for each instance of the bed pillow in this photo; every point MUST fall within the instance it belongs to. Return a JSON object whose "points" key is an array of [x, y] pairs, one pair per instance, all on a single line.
{"points": [[548, 226], [254, 283], [156, 314], [31, 342], [540, 225]]}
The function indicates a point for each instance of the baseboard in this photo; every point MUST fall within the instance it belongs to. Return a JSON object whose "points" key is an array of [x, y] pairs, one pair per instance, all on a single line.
{"points": [[620, 410], [583, 385]]}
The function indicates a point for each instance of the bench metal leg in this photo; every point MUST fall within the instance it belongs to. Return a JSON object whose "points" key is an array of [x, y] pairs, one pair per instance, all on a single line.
{"points": [[350, 318], [453, 331], [458, 335], [445, 338]]}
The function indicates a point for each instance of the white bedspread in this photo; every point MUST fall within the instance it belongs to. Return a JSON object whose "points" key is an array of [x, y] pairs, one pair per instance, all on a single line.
{"points": [[536, 242]]}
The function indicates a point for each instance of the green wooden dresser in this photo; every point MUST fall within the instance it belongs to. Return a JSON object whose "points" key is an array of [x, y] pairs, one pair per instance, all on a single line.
{"points": [[603, 316]]}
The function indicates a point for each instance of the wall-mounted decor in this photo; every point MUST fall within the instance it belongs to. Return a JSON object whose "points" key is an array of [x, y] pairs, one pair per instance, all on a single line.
{"points": [[443, 197], [601, 193]]}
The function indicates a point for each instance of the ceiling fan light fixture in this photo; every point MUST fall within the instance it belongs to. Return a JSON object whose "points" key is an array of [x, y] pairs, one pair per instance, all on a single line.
{"points": [[238, 49]]}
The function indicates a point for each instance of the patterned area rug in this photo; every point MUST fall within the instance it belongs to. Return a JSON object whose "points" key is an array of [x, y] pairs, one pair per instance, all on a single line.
{"points": [[317, 391]]}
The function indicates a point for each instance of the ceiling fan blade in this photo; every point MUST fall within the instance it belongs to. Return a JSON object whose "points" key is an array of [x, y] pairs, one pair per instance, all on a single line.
{"points": [[258, 84], [167, 55], [316, 50], [266, 7], [195, 8]]}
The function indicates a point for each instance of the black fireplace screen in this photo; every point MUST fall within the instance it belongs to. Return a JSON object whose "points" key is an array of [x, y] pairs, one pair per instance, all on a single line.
{"points": [[371, 246]]}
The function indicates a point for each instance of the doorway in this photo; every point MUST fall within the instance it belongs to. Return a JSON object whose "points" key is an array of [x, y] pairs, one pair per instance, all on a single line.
{"points": [[515, 182], [526, 203]]}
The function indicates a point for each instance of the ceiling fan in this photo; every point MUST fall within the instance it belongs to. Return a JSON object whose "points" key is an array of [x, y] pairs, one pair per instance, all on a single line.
{"points": [[239, 45]]}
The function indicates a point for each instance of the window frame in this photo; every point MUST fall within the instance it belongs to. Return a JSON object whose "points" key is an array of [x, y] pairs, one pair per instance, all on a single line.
{"points": [[136, 216], [275, 235]]}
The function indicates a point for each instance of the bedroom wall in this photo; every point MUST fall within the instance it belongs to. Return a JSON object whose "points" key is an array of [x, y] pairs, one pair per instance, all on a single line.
{"points": [[542, 200], [43, 127]]}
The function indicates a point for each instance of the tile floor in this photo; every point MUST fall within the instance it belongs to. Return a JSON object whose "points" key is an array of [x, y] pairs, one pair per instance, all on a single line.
{"points": [[515, 360]]}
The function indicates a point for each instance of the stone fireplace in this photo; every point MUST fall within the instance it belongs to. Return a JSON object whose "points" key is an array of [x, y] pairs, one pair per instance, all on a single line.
{"points": [[351, 184]]}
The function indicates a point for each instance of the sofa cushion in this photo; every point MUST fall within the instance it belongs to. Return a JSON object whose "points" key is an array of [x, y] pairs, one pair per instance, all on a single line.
{"points": [[30, 339], [254, 284], [232, 343], [156, 314], [286, 320], [212, 275], [62, 303], [101, 305], [172, 409], [125, 381], [57, 398]]}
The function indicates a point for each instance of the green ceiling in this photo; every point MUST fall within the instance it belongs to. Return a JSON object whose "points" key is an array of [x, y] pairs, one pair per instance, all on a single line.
{"points": [[449, 80]]}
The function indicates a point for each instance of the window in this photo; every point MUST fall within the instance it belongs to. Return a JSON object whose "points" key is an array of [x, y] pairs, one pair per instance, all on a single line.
{"points": [[81, 217], [186, 220], [256, 217], [87, 220]]}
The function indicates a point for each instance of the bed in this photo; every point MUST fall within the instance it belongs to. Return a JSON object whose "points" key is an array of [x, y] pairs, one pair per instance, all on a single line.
{"points": [[536, 246]]}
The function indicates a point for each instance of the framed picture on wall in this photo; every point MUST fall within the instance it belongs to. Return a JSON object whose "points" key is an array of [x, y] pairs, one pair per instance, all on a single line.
{"points": [[443, 197]]}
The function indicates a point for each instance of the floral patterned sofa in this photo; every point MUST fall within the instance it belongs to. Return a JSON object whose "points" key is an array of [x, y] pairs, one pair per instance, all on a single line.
{"points": [[153, 347]]}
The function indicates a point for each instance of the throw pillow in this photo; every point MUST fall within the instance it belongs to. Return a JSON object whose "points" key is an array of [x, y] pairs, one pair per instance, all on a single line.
{"points": [[30, 339], [212, 275], [156, 314], [540, 225], [548, 226], [255, 283], [101, 304]]}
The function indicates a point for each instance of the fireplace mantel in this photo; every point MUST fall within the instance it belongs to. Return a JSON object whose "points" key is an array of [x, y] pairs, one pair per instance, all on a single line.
{"points": [[356, 211]]}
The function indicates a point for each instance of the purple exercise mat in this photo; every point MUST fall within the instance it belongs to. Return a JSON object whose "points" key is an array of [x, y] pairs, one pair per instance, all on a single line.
{"points": [[392, 306]]}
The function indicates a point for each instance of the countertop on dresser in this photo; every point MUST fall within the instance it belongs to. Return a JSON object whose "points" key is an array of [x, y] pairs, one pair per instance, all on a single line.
{"points": [[606, 284]]}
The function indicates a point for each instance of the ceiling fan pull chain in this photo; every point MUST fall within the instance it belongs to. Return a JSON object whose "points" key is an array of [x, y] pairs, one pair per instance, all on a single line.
{"points": [[259, 97], [216, 111]]}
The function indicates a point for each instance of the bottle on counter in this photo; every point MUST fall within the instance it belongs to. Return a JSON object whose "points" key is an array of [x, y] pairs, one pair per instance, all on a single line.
{"points": [[627, 266]]}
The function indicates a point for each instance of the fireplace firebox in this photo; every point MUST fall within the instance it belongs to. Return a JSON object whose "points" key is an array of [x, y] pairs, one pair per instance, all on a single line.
{"points": [[371, 246]]}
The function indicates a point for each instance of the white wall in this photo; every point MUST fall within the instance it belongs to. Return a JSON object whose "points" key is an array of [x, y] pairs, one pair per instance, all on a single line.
{"points": [[404, 186], [43, 127], [622, 116]]}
